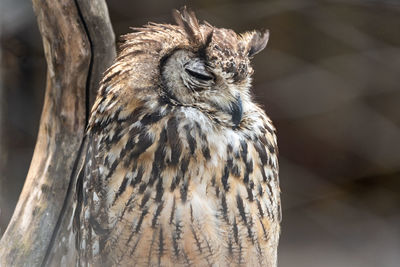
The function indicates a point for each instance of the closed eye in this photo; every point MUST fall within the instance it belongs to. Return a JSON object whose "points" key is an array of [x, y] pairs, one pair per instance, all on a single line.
{"points": [[200, 76]]}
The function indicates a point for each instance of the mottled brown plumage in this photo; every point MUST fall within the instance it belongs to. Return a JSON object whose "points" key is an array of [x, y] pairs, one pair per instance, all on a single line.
{"points": [[181, 165]]}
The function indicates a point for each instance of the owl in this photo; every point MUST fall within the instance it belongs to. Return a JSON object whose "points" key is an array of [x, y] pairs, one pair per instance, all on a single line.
{"points": [[181, 165]]}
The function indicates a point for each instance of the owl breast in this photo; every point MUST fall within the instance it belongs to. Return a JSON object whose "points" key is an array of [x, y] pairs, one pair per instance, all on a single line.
{"points": [[178, 189]]}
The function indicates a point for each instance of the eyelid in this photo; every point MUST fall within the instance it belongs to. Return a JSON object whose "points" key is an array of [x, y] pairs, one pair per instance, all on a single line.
{"points": [[197, 69], [198, 75]]}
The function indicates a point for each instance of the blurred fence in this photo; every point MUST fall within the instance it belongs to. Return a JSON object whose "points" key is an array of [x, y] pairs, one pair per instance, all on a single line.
{"points": [[329, 79]]}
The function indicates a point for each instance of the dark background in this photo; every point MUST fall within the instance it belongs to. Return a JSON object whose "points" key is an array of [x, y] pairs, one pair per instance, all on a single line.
{"points": [[330, 81]]}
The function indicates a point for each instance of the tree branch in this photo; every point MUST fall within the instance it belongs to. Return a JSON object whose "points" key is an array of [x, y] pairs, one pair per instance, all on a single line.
{"points": [[79, 44]]}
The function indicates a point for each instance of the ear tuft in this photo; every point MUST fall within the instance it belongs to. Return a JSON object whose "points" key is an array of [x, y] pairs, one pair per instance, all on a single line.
{"points": [[187, 20], [258, 42]]}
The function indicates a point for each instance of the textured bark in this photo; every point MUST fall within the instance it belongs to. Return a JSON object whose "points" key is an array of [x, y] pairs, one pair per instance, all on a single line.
{"points": [[79, 45], [102, 40]]}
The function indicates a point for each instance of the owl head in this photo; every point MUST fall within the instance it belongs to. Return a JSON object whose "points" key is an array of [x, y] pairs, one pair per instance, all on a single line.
{"points": [[188, 64], [212, 70]]}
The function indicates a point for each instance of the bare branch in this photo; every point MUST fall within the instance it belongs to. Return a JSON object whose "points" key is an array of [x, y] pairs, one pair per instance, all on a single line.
{"points": [[79, 44]]}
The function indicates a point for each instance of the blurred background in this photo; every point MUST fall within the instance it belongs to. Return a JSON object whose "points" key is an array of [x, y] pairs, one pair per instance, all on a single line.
{"points": [[330, 81]]}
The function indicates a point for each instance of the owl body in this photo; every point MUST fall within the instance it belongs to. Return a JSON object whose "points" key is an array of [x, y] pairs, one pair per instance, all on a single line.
{"points": [[181, 166]]}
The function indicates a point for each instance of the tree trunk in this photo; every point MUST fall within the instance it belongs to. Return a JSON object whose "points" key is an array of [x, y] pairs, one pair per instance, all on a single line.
{"points": [[79, 45]]}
